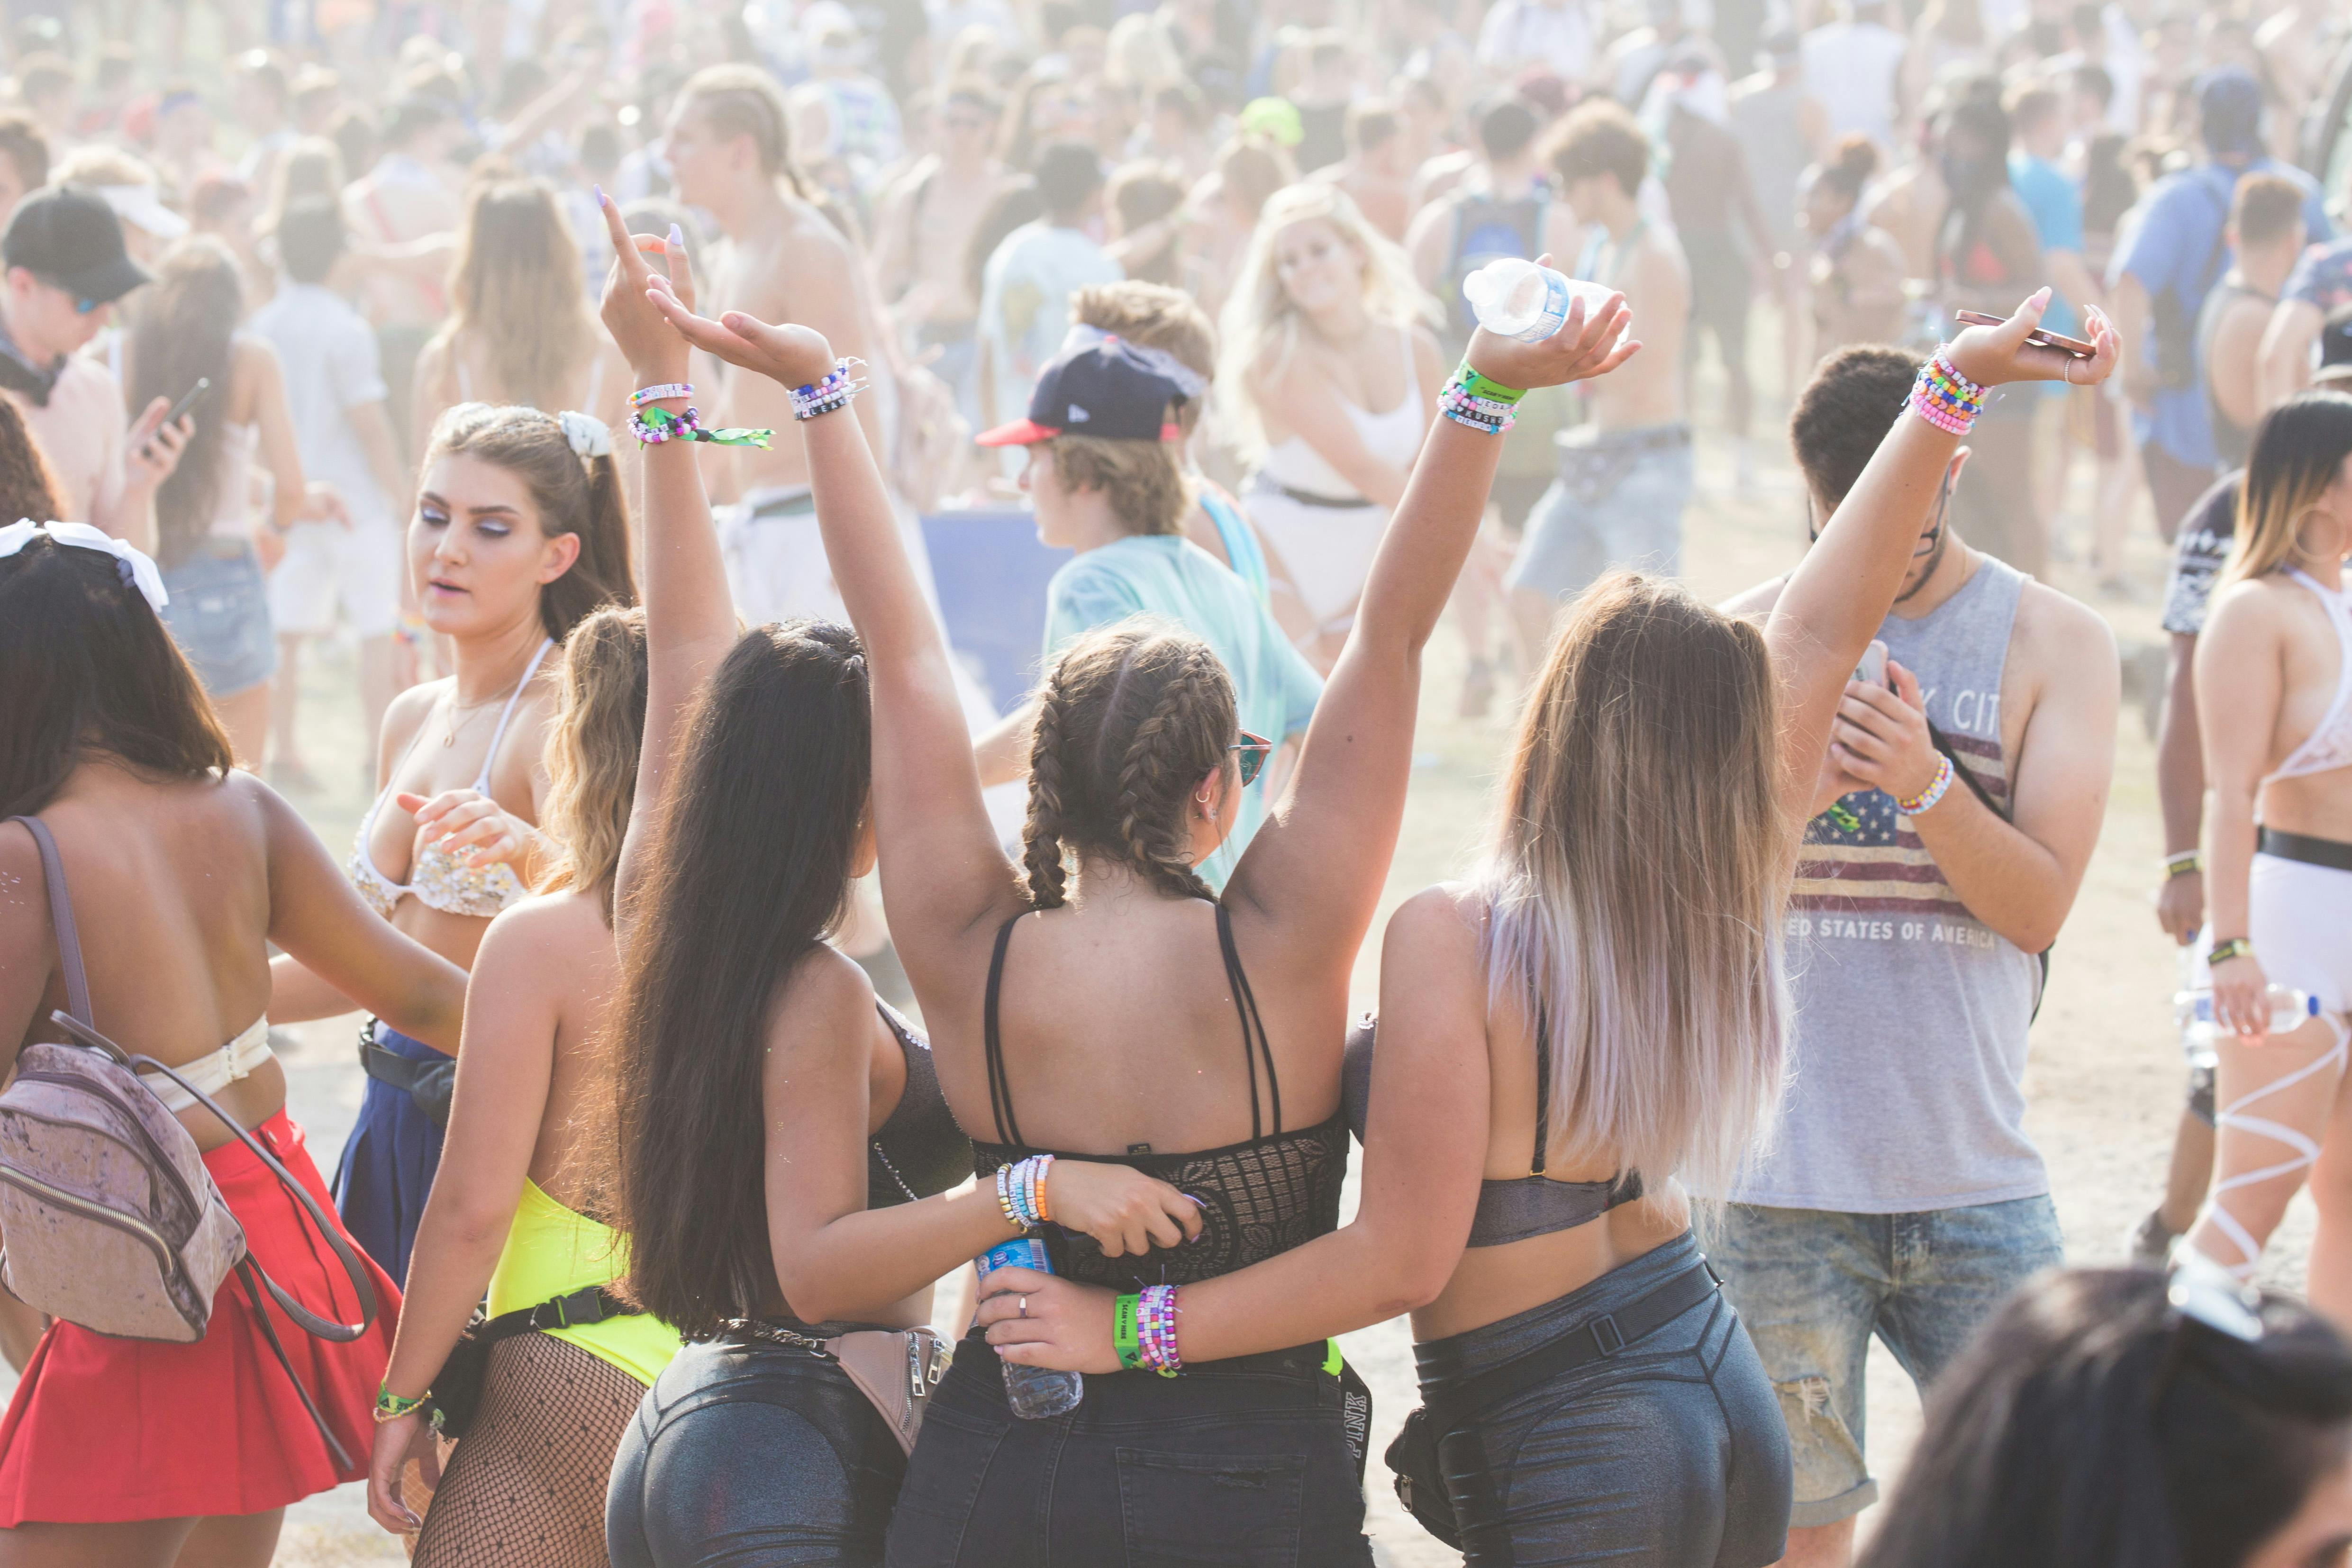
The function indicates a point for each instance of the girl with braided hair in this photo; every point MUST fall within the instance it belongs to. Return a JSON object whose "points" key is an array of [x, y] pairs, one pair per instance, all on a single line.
{"points": [[1108, 1036], [782, 1156]]}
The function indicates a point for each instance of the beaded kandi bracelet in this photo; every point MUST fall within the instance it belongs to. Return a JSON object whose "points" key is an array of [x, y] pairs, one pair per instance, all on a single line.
{"points": [[1021, 1191], [1155, 1329], [1944, 397], [832, 390], [1925, 799], [652, 426]]}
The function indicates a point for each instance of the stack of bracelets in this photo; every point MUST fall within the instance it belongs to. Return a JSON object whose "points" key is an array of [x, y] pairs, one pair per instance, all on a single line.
{"points": [[1143, 1331], [1944, 397], [828, 392], [652, 426], [1926, 797], [1486, 406], [2187, 863], [1021, 1192]]}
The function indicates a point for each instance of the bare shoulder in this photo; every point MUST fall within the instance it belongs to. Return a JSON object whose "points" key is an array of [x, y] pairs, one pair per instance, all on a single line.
{"points": [[523, 942], [1755, 603], [1438, 926], [404, 715], [2253, 608], [2062, 632], [824, 993]]}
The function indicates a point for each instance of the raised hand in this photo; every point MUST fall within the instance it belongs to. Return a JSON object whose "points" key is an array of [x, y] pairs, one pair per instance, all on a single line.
{"points": [[657, 355], [1995, 356], [1585, 346], [792, 355]]}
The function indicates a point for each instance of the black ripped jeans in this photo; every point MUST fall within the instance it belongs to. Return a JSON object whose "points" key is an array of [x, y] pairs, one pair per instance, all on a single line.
{"points": [[1239, 1461]]}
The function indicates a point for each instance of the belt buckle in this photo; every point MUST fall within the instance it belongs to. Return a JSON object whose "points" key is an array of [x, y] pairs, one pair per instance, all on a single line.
{"points": [[1601, 1343]]}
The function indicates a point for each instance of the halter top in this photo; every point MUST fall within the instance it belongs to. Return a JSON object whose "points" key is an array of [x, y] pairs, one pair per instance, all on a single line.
{"points": [[1258, 1198], [438, 879], [920, 1150], [1523, 1207], [2329, 745], [1393, 435]]}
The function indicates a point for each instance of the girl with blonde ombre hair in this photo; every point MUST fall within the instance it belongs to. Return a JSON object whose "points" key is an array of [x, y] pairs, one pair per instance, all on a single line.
{"points": [[2274, 690], [1331, 373], [1593, 1018], [518, 1220], [519, 328]]}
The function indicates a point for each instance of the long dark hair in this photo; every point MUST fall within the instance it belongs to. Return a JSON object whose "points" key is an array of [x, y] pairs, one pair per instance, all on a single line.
{"points": [[90, 669], [28, 486], [2088, 1427], [574, 494], [184, 329], [751, 870]]}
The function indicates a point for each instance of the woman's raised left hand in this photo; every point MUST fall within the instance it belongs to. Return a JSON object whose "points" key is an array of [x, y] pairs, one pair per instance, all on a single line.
{"points": [[1585, 346], [791, 355], [656, 356], [1039, 1320]]}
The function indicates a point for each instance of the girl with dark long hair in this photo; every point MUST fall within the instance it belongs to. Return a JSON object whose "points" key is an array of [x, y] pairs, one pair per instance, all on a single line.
{"points": [[519, 533], [512, 1211], [784, 1156], [2274, 707], [2110, 1419], [1596, 1013], [185, 330], [1088, 1005], [183, 872]]}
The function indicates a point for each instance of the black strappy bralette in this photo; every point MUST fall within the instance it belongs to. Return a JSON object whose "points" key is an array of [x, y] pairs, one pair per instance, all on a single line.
{"points": [[1524, 1206], [919, 1151], [1258, 1198]]}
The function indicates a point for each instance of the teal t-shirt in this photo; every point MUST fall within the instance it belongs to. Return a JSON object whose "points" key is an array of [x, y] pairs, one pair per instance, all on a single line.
{"points": [[1274, 688]]}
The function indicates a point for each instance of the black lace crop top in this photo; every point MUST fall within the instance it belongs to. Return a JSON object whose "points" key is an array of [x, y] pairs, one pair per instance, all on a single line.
{"points": [[920, 1150], [1258, 1198], [1529, 1206]]}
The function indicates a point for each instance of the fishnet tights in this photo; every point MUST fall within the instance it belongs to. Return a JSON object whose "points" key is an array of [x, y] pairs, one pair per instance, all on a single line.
{"points": [[525, 1488]]}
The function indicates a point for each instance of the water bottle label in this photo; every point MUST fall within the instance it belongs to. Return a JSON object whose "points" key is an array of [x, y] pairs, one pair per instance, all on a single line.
{"points": [[1555, 308], [1018, 1252]]}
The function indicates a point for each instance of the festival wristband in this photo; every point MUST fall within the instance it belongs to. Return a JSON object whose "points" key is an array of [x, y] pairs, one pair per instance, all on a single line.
{"points": [[644, 395], [1477, 386], [390, 1406], [2235, 947], [2188, 863], [1123, 1335], [652, 426]]}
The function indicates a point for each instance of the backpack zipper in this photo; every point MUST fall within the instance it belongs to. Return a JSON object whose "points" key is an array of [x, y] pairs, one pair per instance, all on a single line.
{"points": [[59, 1198]]}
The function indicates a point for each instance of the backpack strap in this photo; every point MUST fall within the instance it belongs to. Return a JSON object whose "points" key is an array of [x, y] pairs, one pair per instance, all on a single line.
{"points": [[61, 917]]}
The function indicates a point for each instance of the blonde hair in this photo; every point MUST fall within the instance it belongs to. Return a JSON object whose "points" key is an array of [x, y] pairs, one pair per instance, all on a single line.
{"points": [[1130, 720], [1143, 481], [516, 288], [2298, 454], [1636, 877], [1260, 325], [1154, 316], [592, 751]]}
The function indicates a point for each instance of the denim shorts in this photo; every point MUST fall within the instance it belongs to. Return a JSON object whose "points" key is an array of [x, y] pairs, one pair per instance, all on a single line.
{"points": [[219, 615], [1617, 502], [1669, 1454], [750, 1453], [1239, 1462], [1812, 1286]]}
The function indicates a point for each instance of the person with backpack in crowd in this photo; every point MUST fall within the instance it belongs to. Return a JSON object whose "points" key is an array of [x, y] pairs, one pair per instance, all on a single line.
{"points": [[2160, 277], [1956, 809]]}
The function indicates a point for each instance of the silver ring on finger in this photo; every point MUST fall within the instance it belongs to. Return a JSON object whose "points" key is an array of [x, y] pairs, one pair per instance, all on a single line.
{"points": [[1024, 1306]]}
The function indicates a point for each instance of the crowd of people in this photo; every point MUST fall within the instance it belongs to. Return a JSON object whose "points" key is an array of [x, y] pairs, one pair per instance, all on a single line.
{"points": [[593, 370]]}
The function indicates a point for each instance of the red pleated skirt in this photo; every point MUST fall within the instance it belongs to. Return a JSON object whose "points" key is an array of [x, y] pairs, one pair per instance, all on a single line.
{"points": [[105, 1430]]}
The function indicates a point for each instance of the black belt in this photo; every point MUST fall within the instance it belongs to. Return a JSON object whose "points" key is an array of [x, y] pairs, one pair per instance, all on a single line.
{"points": [[2286, 846], [1309, 499], [431, 1083], [1596, 1339]]}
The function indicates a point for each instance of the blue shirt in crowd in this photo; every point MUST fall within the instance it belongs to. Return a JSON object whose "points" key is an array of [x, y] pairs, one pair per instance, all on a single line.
{"points": [[2173, 244], [1167, 575], [2057, 210]]}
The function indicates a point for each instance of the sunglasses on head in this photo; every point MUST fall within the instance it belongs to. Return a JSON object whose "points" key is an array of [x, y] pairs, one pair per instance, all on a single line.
{"points": [[1255, 749], [1928, 541]]}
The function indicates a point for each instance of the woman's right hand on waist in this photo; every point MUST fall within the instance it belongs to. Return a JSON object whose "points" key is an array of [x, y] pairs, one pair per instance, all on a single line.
{"points": [[2241, 997], [1124, 1210]]}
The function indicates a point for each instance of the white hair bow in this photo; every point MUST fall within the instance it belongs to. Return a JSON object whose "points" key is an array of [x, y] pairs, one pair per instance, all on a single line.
{"points": [[589, 436], [134, 566]]}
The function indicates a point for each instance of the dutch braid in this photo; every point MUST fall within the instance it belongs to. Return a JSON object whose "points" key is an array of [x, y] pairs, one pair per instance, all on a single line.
{"points": [[1041, 835], [1154, 785]]}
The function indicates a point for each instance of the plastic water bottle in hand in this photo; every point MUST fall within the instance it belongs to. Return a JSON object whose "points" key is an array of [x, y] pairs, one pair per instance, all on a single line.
{"points": [[1035, 1392], [1516, 299], [2193, 1012]]}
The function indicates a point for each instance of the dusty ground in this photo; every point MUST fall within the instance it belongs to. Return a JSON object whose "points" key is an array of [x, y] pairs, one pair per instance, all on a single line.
{"points": [[2105, 1079]]}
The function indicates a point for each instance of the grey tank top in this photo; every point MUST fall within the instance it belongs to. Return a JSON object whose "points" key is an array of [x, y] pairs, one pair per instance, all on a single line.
{"points": [[1523, 1207], [1908, 1044]]}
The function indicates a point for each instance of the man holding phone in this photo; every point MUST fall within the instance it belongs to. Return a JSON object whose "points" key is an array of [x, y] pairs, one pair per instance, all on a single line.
{"points": [[1902, 1198], [66, 267]]}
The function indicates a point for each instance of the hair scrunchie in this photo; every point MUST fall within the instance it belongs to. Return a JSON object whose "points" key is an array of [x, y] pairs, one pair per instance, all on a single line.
{"points": [[589, 436]]}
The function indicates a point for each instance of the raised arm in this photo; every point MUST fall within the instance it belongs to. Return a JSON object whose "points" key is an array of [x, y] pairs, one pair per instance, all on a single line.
{"points": [[689, 611], [1314, 872], [943, 875], [1839, 594]]}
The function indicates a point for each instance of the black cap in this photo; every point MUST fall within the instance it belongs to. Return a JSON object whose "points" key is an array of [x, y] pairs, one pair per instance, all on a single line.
{"points": [[68, 236], [2335, 342], [1104, 390]]}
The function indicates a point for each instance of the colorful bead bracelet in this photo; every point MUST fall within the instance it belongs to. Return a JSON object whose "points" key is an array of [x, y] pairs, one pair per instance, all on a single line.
{"points": [[652, 426], [832, 390], [1944, 397], [1934, 792], [644, 395], [1021, 1191], [1143, 1331]]}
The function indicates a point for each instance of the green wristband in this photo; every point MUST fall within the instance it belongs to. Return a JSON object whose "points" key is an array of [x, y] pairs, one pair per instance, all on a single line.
{"points": [[1477, 385], [1124, 1338]]}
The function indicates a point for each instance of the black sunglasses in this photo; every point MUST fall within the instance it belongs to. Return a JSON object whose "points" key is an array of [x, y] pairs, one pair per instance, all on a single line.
{"points": [[1255, 749], [1928, 541]]}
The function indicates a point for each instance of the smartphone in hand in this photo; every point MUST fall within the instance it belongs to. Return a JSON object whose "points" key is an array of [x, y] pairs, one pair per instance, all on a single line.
{"points": [[2074, 346]]}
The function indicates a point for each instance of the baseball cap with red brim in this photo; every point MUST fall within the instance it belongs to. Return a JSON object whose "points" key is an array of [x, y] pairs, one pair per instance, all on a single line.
{"points": [[1104, 390]]}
